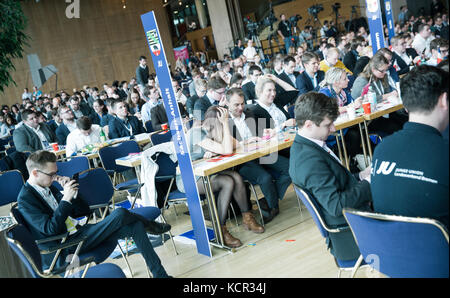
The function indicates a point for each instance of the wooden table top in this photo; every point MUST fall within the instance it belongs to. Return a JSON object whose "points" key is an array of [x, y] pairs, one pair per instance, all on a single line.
{"points": [[243, 154], [383, 108]]}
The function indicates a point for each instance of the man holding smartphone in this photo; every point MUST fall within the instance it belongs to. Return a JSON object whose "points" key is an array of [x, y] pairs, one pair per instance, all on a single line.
{"points": [[49, 213]]}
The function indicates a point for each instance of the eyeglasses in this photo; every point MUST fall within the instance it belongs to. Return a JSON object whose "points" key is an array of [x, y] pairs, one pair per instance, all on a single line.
{"points": [[381, 71], [51, 175], [220, 93]]}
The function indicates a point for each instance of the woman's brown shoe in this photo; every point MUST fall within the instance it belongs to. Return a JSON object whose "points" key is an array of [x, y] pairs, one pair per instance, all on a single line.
{"points": [[250, 223], [228, 239]]}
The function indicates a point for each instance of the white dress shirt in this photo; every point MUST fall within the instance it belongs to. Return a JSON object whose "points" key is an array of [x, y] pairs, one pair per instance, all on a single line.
{"points": [[242, 127], [276, 114], [76, 140]]}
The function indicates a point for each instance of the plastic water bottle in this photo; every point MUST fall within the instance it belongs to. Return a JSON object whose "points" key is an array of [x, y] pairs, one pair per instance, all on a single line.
{"points": [[102, 135], [372, 98]]}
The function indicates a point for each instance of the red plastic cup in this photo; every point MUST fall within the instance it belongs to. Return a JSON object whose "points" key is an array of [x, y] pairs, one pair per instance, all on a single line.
{"points": [[55, 146], [366, 107], [164, 126]]}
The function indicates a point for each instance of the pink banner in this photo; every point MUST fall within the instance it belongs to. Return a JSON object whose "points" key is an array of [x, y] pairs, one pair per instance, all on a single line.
{"points": [[181, 52]]}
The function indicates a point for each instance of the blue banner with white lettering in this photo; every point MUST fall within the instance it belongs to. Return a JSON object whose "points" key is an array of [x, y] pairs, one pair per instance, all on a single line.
{"points": [[389, 19], [375, 24], [176, 128]]}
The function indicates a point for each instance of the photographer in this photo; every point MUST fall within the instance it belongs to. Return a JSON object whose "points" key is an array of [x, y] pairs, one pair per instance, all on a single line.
{"points": [[284, 30]]}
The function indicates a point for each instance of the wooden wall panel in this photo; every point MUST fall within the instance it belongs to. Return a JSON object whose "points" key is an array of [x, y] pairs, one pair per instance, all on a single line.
{"points": [[103, 45]]}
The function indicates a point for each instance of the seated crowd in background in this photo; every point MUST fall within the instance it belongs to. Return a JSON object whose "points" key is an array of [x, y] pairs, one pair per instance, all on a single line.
{"points": [[224, 97]]}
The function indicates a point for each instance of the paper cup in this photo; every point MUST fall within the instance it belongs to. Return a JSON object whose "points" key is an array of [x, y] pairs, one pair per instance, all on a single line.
{"points": [[55, 146], [351, 111], [366, 107], [164, 126]]}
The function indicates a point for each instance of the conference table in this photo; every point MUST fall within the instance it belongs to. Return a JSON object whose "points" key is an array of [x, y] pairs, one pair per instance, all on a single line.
{"points": [[205, 168], [142, 140]]}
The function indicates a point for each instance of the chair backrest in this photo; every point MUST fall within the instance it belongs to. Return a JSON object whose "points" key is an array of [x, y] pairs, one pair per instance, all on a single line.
{"points": [[108, 155], [95, 186], [159, 138], [166, 166], [313, 209], [10, 150], [68, 168], [22, 243], [3, 165], [75, 165], [401, 246], [149, 126], [11, 183]]}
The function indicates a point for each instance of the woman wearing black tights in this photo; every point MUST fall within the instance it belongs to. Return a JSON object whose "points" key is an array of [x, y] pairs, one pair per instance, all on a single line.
{"points": [[213, 137]]}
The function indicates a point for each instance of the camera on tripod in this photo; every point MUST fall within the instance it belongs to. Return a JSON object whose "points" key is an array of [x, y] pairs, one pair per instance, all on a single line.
{"points": [[294, 20], [336, 6], [315, 9], [252, 27]]}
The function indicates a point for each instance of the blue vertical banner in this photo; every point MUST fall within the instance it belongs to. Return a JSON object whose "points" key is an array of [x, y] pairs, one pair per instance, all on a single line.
{"points": [[389, 19], [160, 64], [375, 24]]}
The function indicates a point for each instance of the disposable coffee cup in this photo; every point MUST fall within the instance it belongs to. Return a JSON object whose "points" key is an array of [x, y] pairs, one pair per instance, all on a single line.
{"points": [[366, 107], [55, 146], [164, 126]]}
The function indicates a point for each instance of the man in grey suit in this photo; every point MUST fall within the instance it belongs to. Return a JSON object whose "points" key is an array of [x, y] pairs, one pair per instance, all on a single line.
{"points": [[316, 169], [32, 135]]}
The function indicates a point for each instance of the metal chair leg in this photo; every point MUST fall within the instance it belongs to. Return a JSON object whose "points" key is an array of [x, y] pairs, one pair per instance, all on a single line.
{"points": [[252, 187], [125, 258]]}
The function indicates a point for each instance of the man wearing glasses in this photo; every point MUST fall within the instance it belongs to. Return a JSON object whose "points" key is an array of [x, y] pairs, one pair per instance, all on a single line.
{"points": [[402, 62], [214, 96], [67, 126], [49, 213]]}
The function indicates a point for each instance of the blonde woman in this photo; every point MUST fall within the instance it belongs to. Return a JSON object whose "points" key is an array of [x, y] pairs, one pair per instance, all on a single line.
{"points": [[213, 137], [333, 86]]}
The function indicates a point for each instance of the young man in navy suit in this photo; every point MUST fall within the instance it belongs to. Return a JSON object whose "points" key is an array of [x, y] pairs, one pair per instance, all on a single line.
{"points": [[48, 213], [123, 125], [317, 170]]}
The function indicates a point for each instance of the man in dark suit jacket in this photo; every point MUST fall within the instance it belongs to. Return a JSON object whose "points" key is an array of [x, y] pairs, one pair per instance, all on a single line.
{"points": [[254, 73], [49, 213], [288, 75], [270, 172], [399, 49], [320, 173], [304, 81], [142, 73], [214, 96], [123, 125], [159, 116], [68, 124], [81, 109], [32, 135], [352, 56]]}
